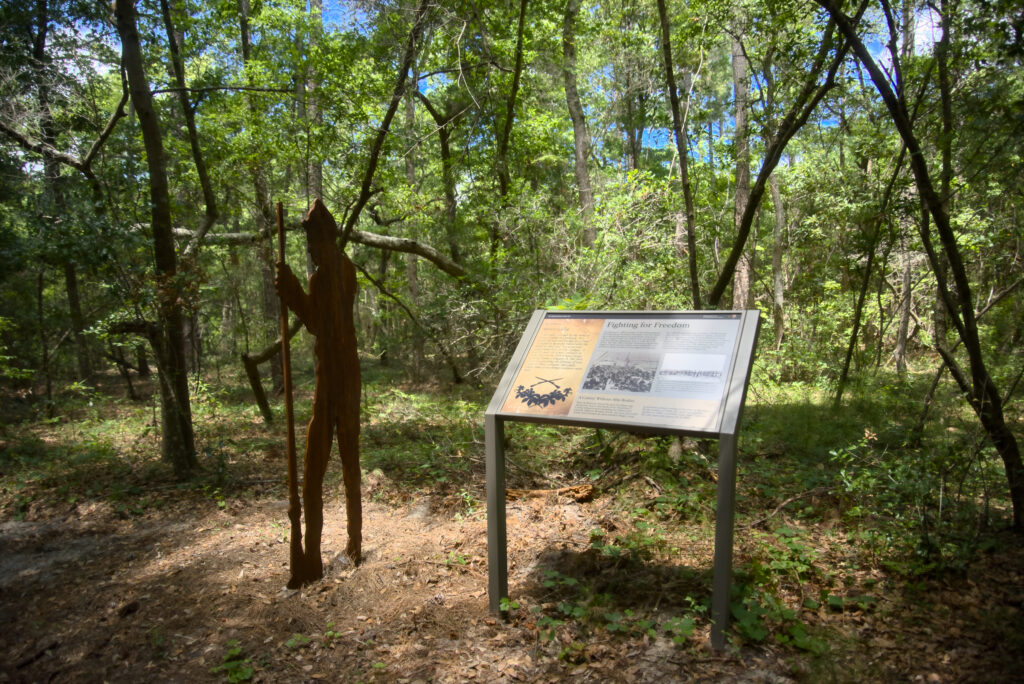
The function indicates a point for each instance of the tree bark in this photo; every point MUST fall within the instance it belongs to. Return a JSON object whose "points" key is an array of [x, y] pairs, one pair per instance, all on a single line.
{"points": [[689, 246], [77, 321], [444, 121], [741, 291], [778, 275], [412, 278], [979, 387], [178, 68], [401, 82], [581, 140], [903, 328], [251, 364], [264, 224], [505, 135], [177, 437], [804, 103], [44, 344], [857, 313], [311, 108]]}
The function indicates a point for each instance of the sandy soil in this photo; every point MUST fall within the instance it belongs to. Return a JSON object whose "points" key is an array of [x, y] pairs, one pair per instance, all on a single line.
{"points": [[190, 587]]}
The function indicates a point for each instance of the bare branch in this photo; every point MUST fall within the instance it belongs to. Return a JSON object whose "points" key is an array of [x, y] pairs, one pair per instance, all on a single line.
{"points": [[408, 246]]}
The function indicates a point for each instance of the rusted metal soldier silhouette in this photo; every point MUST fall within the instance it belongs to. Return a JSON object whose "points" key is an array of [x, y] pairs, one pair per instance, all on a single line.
{"points": [[327, 312]]}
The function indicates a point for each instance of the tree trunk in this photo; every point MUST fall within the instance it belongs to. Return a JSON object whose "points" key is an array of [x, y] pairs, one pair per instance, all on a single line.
{"points": [[265, 222], [505, 134], [52, 188], [178, 69], [177, 437], [44, 344], [857, 313], [778, 276], [903, 329], [411, 263], [77, 321], [979, 387], [741, 290], [314, 118], [581, 140], [632, 142], [444, 132], [686, 242], [819, 80]]}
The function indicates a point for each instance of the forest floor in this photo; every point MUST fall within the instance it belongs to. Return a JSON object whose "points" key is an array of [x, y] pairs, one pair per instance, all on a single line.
{"points": [[121, 574]]}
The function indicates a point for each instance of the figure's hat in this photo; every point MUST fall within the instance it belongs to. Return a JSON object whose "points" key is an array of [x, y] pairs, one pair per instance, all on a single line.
{"points": [[319, 223]]}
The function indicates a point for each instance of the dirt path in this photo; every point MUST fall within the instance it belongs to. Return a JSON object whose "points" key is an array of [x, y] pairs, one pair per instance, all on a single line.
{"points": [[165, 596], [94, 597]]}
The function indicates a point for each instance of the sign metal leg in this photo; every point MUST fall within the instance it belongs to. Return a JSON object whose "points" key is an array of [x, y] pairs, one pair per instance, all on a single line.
{"points": [[724, 517], [497, 535]]}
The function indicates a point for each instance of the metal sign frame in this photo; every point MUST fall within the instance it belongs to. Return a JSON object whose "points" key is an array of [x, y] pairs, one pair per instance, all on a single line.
{"points": [[723, 425]]}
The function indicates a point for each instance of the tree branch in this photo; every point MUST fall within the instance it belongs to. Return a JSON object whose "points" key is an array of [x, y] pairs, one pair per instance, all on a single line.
{"points": [[806, 102], [365, 191], [408, 246]]}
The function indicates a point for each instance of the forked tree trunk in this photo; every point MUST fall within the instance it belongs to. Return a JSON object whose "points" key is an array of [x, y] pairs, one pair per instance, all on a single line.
{"points": [[177, 437], [977, 383]]}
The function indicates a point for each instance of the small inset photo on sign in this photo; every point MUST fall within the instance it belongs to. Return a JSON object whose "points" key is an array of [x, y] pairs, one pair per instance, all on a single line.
{"points": [[627, 371]]}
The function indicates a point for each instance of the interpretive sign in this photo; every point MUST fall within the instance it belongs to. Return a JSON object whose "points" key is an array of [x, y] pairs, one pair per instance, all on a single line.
{"points": [[662, 371], [677, 372]]}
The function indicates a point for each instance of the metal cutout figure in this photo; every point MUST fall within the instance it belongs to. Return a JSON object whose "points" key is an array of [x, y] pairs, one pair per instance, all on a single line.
{"points": [[327, 313]]}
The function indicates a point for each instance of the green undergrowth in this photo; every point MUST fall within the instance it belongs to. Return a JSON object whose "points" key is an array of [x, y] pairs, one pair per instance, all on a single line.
{"points": [[834, 507]]}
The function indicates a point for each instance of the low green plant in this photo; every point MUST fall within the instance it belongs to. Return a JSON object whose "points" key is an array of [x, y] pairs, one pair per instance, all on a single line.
{"points": [[679, 628], [297, 640], [157, 641], [757, 615], [236, 667], [330, 634], [547, 625], [457, 559]]}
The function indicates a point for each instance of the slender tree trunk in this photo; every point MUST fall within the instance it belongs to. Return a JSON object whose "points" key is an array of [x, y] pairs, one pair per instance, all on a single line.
{"points": [[820, 78], [177, 437], [857, 314], [313, 114], [178, 68], [445, 120], [979, 386], [581, 140], [629, 125], [741, 290], [711, 148], [411, 262], [44, 344], [77, 321], [265, 223], [778, 275], [53, 194], [903, 328], [686, 235], [451, 207], [505, 134]]}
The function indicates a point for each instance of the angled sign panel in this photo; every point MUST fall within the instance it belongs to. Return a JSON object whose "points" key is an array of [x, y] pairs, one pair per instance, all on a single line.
{"points": [[650, 370]]}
